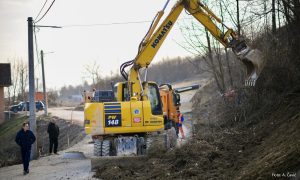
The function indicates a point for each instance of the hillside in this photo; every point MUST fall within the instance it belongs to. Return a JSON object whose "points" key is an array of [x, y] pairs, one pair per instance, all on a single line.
{"points": [[226, 145], [254, 136], [258, 145]]}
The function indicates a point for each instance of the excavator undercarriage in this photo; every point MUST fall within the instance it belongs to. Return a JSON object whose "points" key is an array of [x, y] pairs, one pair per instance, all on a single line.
{"points": [[133, 145]]}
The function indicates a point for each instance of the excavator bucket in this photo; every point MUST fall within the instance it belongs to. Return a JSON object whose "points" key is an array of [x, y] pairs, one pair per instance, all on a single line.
{"points": [[254, 62], [251, 58]]}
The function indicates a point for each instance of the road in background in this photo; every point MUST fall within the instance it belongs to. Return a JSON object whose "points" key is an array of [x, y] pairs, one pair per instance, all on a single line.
{"points": [[186, 97], [68, 114]]}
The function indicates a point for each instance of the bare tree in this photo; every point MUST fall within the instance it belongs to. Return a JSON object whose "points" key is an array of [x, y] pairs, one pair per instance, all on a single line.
{"points": [[23, 80], [19, 76], [92, 71], [226, 52], [208, 51]]}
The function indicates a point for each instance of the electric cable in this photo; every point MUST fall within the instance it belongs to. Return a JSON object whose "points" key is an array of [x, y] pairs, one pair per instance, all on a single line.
{"points": [[113, 23], [36, 45], [45, 12], [41, 10]]}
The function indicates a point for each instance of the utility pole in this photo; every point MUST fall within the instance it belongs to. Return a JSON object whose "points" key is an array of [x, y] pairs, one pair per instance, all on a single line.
{"points": [[238, 17], [37, 84], [22, 84], [44, 84], [32, 121]]}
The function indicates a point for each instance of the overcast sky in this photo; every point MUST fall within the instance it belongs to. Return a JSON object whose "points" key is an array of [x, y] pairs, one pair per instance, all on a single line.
{"points": [[73, 46]]}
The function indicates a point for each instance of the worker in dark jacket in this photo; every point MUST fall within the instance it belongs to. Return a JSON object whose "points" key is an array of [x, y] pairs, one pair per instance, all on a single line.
{"points": [[53, 132], [25, 138]]}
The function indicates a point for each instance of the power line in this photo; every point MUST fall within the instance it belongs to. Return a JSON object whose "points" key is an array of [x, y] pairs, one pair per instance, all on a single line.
{"points": [[109, 24], [104, 24], [41, 10], [45, 12], [36, 67], [36, 51]]}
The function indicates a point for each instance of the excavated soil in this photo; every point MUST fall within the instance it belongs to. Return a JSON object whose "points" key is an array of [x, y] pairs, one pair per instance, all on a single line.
{"points": [[228, 143]]}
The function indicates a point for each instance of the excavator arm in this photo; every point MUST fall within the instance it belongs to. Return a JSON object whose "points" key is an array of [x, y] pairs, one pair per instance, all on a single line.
{"points": [[122, 127], [155, 38]]}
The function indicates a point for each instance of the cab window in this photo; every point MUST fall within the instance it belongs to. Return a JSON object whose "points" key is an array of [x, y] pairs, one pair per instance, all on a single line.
{"points": [[154, 98], [116, 92], [125, 93]]}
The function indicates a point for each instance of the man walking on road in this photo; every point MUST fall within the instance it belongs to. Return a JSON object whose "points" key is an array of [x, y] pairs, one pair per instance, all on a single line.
{"points": [[25, 138], [53, 132]]}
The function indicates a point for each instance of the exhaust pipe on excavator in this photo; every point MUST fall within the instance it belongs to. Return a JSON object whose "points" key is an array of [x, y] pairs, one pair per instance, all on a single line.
{"points": [[251, 58]]}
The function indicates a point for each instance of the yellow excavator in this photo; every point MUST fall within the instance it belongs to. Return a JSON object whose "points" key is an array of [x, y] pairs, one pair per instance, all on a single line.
{"points": [[122, 127]]}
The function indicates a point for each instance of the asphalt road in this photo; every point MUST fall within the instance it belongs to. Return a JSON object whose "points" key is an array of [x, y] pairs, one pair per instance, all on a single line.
{"points": [[68, 113]]}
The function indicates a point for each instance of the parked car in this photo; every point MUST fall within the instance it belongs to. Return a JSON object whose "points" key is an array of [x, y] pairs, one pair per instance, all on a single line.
{"points": [[22, 106]]}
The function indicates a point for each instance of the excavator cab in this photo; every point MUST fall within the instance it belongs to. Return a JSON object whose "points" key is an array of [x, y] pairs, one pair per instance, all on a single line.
{"points": [[174, 94], [153, 95], [176, 99]]}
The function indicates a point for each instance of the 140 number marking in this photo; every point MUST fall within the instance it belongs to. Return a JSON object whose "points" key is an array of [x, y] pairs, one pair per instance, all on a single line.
{"points": [[113, 122]]}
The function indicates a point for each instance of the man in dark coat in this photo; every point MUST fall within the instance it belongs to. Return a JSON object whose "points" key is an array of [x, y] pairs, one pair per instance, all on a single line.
{"points": [[53, 132], [25, 138]]}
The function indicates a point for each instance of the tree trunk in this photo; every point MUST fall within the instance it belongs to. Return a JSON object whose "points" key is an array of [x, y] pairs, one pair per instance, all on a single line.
{"points": [[221, 70], [212, 62], [273, 17], [278, 13], [226, 53], [297, 11], [229, 68], [286, 11], [238, 17]]}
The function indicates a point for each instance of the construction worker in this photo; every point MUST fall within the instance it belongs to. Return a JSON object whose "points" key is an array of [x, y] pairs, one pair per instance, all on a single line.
{"points": [[25, 138], [180, 121], [53, 132]]}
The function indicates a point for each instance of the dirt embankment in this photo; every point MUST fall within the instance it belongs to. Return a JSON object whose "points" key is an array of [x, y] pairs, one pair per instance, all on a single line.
{"points": [[70, 134], [228, 144], [262, 143]]}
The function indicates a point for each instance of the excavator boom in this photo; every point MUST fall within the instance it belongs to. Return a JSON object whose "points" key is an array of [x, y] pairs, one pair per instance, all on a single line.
{"points": [[121, 125], [148, 48]]}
